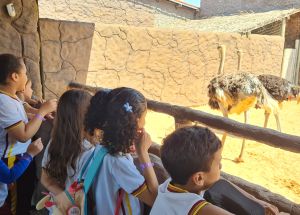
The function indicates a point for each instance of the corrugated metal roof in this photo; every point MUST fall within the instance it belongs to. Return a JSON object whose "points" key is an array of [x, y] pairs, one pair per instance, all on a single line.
{"points": [[241, 23]]}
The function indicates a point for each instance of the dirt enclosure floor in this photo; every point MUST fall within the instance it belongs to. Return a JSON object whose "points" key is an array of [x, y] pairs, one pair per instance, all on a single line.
{"points": [[275, 169]]}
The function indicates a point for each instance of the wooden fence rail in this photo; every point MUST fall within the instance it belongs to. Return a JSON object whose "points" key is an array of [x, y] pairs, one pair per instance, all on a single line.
{"points": [[251, 132], [264, 135]]}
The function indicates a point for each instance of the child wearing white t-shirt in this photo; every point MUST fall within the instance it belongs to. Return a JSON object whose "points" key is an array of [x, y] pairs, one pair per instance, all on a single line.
{"points": [[68, 150], [192, 157], [118, 185], [15, 129]]}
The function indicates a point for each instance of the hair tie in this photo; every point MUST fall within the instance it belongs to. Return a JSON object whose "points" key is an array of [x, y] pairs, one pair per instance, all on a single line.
{"points": [[127, 107]]}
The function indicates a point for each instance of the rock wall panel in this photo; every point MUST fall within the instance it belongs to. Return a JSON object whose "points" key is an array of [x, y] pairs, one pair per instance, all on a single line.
{"points": [[19, 36], [146, 13], [65, 51]]}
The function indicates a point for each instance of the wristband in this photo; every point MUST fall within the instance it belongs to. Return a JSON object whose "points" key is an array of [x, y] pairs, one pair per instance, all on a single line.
{"points": [[143, 166], [26, 156], [39, 117]]}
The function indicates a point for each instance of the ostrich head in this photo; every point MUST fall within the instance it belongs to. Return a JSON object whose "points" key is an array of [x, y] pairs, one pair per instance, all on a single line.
{"points": [[295, 90]]}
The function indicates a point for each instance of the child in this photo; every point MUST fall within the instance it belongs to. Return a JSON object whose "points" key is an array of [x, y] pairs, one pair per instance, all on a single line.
{"points": [[15, 129], [8, 176], [68, 150], [192, 157], [121, 115]]}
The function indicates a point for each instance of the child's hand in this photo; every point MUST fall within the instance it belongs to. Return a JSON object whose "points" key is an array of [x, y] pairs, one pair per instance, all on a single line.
{"points": [[49, 106], [62, 202], [35, 147], [142, 142], [49, 116]]}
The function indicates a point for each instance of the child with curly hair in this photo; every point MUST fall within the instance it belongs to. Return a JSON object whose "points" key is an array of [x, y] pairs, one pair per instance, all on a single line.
{"points": [[120, 114]]}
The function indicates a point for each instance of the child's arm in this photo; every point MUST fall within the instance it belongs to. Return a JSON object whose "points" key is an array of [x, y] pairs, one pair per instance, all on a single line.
{"points": [[7, 175], [50, 183], [23, 132], [270, 208], [29, 109], [149, 195], [210, 209], [61, 199]]}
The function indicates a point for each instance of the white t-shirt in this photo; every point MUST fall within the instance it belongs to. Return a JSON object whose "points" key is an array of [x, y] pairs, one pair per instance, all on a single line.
{"points": [[12, 114], [175, 201], [115, 173]]}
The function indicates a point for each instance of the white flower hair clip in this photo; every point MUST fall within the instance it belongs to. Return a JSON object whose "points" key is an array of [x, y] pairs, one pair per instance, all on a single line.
{"points": [[127, 107]]}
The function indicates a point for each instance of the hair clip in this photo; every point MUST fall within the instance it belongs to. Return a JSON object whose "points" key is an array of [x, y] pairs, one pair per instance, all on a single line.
{"points": [[127, 107]]}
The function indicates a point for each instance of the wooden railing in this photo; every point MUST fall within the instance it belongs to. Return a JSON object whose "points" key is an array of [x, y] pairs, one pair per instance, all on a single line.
{"points": [[263, 135], [251, 132]]}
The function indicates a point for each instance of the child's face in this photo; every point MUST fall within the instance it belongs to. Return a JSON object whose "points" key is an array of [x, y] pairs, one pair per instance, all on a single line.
{"points": [[214, 174], [28, 90], [142, 120], [21, 77]]}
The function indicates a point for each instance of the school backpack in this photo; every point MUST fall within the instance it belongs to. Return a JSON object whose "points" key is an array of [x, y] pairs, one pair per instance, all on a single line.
{"points": [[78, 191]]}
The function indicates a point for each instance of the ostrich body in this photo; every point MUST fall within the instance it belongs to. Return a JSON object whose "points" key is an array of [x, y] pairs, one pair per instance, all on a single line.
{"points": [[281, 90], [234, 94], [237, 93]]}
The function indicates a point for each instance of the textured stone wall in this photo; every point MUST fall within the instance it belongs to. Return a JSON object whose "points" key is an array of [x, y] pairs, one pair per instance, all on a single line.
{"points": [[19, 36], [292, 30], [147, 13], [175, 66], [65, 51], [219, 7]]}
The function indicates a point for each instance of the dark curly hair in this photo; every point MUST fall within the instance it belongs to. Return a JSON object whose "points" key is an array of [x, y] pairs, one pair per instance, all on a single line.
{"points": [[67, 134], [119, 124], [189, 150]]}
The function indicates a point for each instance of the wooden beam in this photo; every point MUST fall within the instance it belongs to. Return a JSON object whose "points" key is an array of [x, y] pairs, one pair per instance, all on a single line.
{"points": [[264, 135], [251, 132]]}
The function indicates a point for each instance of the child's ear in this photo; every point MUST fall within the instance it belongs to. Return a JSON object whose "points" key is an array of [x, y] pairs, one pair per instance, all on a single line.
{"points": [[198, 178], [14, 76]]}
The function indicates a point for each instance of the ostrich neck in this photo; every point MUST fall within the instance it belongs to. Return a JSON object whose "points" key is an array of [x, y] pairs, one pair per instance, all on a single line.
{"points": [[221, 68], [239, 62]]}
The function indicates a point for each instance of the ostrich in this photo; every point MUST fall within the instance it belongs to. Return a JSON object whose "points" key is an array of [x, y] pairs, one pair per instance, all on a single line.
{"points": [[281, 90], [237, 93]]}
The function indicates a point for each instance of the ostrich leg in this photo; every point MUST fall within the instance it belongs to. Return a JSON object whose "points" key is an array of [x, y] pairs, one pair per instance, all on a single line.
{"points": [[225, 114], [240, 159], [267, 114], [277, 121]]}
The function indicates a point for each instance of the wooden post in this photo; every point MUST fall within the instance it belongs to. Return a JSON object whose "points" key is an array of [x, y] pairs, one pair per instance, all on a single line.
{"points": [[283, 27], [297, 44]]}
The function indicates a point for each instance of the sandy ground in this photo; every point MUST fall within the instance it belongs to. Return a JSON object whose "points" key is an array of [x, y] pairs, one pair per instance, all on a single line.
{"points": [[273, 168]]}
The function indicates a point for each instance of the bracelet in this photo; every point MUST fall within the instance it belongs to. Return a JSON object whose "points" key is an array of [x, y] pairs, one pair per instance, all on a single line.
{"points": [[143, 166], [26, 156], [39, 117]]}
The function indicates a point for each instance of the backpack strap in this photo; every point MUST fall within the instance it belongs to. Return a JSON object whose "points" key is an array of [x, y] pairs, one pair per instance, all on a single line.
{"points": [[121, 193], [80, 178], [91, 173]]}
